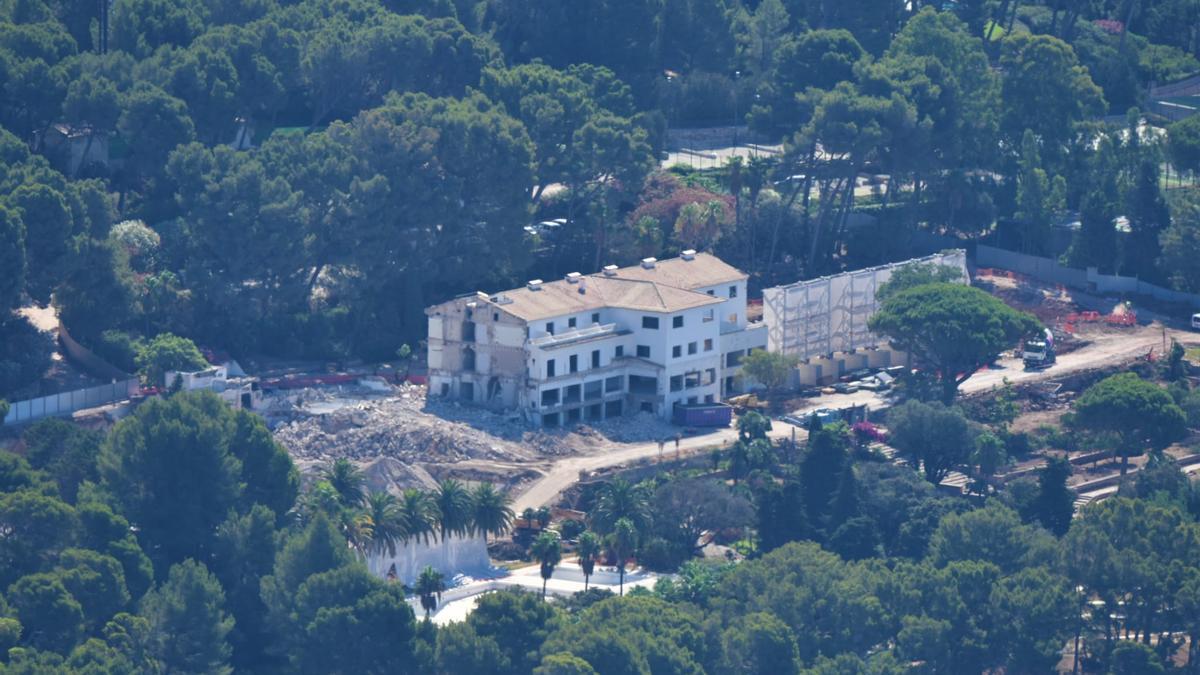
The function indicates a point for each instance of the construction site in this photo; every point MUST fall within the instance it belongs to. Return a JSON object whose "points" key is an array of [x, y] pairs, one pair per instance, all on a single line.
{"points": [[385, 423], [403, 439]]}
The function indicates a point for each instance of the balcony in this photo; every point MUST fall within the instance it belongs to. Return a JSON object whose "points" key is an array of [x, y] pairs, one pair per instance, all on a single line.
{"points": [[578, 336]]}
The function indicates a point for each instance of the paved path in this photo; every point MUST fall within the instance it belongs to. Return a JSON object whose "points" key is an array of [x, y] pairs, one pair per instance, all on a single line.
{"points": [[565, 472], [1106, 350]]}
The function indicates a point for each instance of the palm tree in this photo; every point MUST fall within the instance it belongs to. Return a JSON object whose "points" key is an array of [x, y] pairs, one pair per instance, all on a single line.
{"points": [[347, 480], [589, 548], [452, 508], [547, 550], [490, 511], [620, 499], [543, 517], [387, 523], [356, 526], [622, 542], [529, 516], [416, 514], [430, 585]]}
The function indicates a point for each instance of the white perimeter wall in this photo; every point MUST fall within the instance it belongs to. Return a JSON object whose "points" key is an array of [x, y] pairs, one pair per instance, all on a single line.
{"points": [[456, 555]]}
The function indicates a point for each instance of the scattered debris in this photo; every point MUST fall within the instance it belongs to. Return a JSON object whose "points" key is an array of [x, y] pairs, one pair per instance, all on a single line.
{"points": [[401, 440]]}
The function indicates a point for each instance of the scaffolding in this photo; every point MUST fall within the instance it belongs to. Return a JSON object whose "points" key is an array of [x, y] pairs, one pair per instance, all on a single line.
{"points": [[825, 316]]}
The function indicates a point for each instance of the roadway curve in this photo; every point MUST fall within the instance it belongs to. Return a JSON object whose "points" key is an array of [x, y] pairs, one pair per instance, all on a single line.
{"points": [[1107, 350]]}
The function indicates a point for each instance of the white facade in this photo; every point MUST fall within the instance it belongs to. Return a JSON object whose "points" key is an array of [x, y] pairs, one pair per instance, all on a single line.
{"points": [[597, 346], [238, 392]]}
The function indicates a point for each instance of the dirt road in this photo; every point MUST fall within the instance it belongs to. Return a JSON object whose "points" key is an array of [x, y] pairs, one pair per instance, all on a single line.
{"points": [[565, 472], [1105, 351]]}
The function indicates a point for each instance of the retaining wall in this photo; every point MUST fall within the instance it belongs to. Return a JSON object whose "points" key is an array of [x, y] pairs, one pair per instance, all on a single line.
{"points": [[1090, 280]]}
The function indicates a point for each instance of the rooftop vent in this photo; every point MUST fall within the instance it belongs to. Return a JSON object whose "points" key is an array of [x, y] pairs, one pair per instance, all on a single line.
{"points": [[689, 254], [610, 270], [573, 277], [534, 285], [648, 263], [502, 299]]}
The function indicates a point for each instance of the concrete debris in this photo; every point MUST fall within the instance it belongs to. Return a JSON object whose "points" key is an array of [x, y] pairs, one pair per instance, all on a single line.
{"points": [[360, 424]]}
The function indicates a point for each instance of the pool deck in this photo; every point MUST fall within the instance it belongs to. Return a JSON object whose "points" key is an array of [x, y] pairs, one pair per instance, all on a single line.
{"points": [[567, 580]]}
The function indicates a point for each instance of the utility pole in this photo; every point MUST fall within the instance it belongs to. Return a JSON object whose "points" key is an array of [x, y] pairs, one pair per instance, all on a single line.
{"points": [[102, 30], [736, 75]]}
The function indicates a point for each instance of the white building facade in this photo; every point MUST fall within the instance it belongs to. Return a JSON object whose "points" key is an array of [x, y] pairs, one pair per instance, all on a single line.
{"points": [[590, 347]]}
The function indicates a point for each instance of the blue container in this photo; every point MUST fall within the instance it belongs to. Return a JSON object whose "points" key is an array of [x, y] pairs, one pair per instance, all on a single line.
{"points": [[702, 415]]}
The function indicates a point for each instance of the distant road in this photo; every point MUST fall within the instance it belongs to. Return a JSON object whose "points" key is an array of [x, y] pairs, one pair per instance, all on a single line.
{"points": [[1107, 350]]}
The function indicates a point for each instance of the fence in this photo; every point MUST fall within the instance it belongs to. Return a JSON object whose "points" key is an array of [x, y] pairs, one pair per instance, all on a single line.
{"points": [[55, 405], [1089, 280]]}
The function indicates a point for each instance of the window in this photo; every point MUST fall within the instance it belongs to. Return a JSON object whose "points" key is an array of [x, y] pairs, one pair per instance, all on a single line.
{"points": [[550, 368], [643, 351], [468, 359], [708, 398], [677, 322], [733, 291], [710, 376], [650, 322], [676, 383], [708, 316], [571, 322], [615, 383], [549, 398], [733, 359], [573, 363], [691, 380], [468, 331], [691, 348], [550, 328], [708, 344], [595, 358], [619, 351], [596, 317], [593, 390], [692, 400], [495, 316], [676, 351], [711, 292], [571, 394]]}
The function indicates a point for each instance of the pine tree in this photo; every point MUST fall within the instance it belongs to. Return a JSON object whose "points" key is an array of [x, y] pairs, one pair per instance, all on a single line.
{"points": [[188, 621], [1055, 503], [845, 504], [820, 469]]}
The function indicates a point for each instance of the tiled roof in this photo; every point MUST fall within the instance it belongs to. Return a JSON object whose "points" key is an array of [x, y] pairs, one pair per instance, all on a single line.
{"points": [[597, 291], [666, 287]]}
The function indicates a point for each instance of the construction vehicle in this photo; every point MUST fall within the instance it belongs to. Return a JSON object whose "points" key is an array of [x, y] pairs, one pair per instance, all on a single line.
{"points": [[1038, 351]]}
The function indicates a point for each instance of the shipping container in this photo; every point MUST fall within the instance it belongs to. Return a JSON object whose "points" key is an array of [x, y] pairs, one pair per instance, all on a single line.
{"points": [[703, 415]]}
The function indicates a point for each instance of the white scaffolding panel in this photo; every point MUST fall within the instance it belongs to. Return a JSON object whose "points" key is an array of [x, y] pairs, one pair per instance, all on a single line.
{"points": [[825, 316]]}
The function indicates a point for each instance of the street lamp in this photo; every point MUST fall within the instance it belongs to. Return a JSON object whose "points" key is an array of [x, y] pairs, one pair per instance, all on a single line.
{"points": [[736, 74]]}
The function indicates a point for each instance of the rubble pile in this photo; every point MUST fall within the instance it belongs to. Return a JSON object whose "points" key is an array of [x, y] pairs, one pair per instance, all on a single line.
{"points": [[321, 425]]}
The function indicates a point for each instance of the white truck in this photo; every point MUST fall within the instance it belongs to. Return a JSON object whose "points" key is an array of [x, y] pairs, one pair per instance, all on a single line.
{"points": [[1038, 351]]}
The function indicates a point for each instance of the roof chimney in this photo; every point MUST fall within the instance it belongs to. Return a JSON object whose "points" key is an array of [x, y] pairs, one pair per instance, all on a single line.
{"points": [[689, 254], [610, 270], [648, 263], [573, 277], [534, 285]]}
